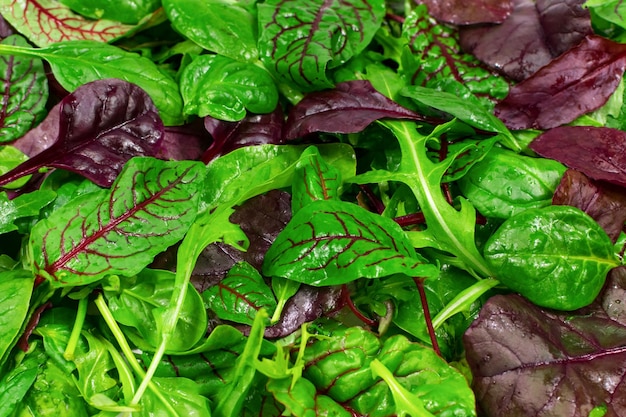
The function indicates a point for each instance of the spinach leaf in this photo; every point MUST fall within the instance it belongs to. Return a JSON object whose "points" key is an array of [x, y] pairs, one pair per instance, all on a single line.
{"points": [[15, 291], [556, 256], [217, 86], [128, 12], [25, 205], [74, 246]]}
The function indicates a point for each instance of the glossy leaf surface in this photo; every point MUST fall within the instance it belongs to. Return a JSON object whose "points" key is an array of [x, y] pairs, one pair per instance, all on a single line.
{"points": [[15, 291], [300, 41], [336, 242], [25, 205], [457, 12], [557, 256], [149, 208], [129, 12]]}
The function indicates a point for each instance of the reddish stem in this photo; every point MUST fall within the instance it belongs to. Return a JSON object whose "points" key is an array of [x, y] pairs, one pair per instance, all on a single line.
{"points": [[32, 323], [376, 202], [410, 219], [346, 296], [395, 17], [429, 323]]}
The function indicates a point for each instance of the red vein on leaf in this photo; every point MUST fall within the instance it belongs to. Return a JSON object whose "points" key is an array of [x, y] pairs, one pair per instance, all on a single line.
{"points": [[345, 295], [419, 282]]}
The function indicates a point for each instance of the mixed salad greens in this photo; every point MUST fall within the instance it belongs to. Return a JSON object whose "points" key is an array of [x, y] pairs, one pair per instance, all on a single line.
{"points": [[313, 207]]}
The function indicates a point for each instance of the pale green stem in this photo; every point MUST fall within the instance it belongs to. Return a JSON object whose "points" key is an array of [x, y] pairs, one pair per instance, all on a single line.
{"points": [[81, 313], [463, 300]]}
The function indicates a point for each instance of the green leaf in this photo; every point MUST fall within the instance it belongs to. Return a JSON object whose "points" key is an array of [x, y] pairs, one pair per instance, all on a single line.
{"points": [[24, 205], [75, 63], [300, 40], [333, 242], [314, 179], [240, 295], [129, 12], [283, 289], [16, 382], [25, 88], [302, 399], [10, 157], [505, 183], [217, 86], [149, 208], [16, 288], [220, 26], [557, 256], [45, 22], [94, 366], [183, 398], [133, 302]]}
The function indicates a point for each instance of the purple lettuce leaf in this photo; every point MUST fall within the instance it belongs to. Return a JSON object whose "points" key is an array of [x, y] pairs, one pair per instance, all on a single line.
{"points": [[579, 81], [530, 362], [100, 127], [598, 152], [463, 12], [530, 38], [185, 142], [254, 129], [604, 202], [349, 108]]}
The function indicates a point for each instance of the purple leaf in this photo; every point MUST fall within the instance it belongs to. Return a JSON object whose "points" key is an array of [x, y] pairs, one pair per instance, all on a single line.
{"points": [[579, 81], [255, 129], [598, 152], [529, 362], [462, 12], [349, 108], [604, 202], [565, 23], [101, 126], [186, 142]]}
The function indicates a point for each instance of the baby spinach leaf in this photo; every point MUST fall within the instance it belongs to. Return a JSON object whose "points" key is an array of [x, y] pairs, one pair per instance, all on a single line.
{"points": [[505, 183], [101, 126], [525, 358], [24, 205], [129, 12], [16, 288], [299, 41], [336, 242], [217, 86], [75, 63], [240, 295], [348, 108], [45, 22], [597, 152], [577, 82], [133, 300], [223, 27], [25, 90], [17, 382], [556, 256], [183, 399], [149, 208]]}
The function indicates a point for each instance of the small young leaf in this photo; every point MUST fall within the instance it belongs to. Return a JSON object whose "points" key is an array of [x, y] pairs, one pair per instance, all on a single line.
{"points": [[240, 295], [24, 205], [101, 126], [557, 256], [45, 22], [314, 180], [231, 33], [149, 208], [333, 242], [299, 41], [217, 86], [25, 91]]}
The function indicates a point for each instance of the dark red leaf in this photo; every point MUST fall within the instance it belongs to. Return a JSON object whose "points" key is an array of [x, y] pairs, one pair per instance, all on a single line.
{"points": [[579, 81], [349, 108], [605, 203], [529, 362], [186, 142], [256, 129], [598, 152], [565, 23], [463, 12], [100, 127]]}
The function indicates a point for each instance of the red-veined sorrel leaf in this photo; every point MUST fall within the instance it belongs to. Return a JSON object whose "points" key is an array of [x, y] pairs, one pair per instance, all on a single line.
{"points": [[300, 40], [598, 152], [439, 59], [25, 91], [101, 126], [240, 295], [605, 203], [349, 108], [254, 129], [118, 231], [331, 242], [314, 179], [47, 21], [458, 12], [530, 362], [577, 82]]}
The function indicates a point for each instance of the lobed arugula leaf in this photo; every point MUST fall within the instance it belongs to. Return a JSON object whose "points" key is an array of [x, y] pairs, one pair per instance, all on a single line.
{"points": [[149, 207]]}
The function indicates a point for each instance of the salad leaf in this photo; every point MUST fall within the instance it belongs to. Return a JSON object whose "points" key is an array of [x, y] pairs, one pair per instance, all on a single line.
{"points": [[15, 289], [565, 23], [125, 12], [45, 22], [25, 205], [74, 245], [101, 126], [524, 357], [25, 92], [300, 41], [556, 256], [457, 12]]}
